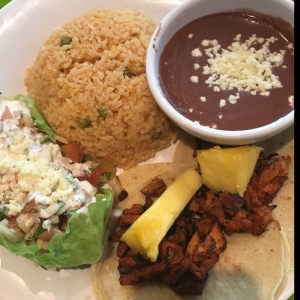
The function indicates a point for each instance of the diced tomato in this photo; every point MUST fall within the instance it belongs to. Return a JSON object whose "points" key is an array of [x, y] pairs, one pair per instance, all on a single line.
{"points": [[6, 114], [109, 167], [73, 151], [46, 235], [105, 170], [12, 222], [94, 178], [30, 206]]}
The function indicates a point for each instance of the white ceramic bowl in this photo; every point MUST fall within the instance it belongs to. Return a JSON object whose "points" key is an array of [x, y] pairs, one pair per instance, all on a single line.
{"points": [[176, 19]]}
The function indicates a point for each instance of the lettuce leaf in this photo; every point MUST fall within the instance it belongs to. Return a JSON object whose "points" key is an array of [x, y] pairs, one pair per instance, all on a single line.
{"points": [[81, 244], [36, 116]]}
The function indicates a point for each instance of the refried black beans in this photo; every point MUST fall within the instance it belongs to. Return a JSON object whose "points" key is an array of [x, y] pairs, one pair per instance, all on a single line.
{"points": [[231, 70]]}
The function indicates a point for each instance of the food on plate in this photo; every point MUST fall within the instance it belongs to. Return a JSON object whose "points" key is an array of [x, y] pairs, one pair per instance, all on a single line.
{"points": [[204, 252], [89, 81], [252, 212], [146, 233], [53, 207], [247, 267], [237, 78], [216, 174], [284, 200]]}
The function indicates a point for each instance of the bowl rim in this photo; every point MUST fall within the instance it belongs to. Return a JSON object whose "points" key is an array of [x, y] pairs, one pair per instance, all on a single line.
{"points": [[195, 128]]}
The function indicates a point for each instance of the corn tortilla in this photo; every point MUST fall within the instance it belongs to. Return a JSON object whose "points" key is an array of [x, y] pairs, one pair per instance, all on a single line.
{"points": [[284, 212], [250, 266]]}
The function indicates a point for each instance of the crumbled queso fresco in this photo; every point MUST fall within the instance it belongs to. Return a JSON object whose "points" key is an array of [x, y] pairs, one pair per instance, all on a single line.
{"points": [[291, 101], [33, 170], [241, 66]]}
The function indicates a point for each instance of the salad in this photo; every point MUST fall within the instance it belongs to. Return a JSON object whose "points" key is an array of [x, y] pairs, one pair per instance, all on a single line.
{"points": [[54, 201]]}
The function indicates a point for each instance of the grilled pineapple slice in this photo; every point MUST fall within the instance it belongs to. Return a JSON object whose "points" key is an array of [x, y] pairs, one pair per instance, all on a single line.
{"points": [[145, 234], [228, 169]]}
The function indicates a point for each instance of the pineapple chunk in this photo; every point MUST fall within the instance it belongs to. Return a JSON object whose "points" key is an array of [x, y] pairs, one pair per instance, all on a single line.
{"points": [[145, 234], [228, 169]]}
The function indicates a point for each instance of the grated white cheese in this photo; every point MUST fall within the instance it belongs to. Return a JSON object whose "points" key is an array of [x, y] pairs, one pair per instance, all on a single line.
{"points": [[31, 170], [291, 100], [217, 89], [203, 99], [238, 37], [243, 67], [205, 43], [233, 98], [194, 79], [222, 103], [190, 36], [196, 66], [265, 93], [196, 52]]}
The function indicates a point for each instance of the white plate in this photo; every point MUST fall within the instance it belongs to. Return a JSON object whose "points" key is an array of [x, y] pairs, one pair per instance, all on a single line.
{"points": [[24, 25]]}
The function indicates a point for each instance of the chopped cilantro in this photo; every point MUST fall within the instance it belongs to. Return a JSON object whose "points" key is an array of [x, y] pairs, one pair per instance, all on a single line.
{"points": [[88, 172], [39, 231], [107, 175], [2, 216], [86, 158]]}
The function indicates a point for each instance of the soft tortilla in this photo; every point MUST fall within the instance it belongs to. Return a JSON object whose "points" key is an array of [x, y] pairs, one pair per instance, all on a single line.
{"points": [[287, 263], [251, 267], [248, 269], [284, 213], [185, 150]]}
